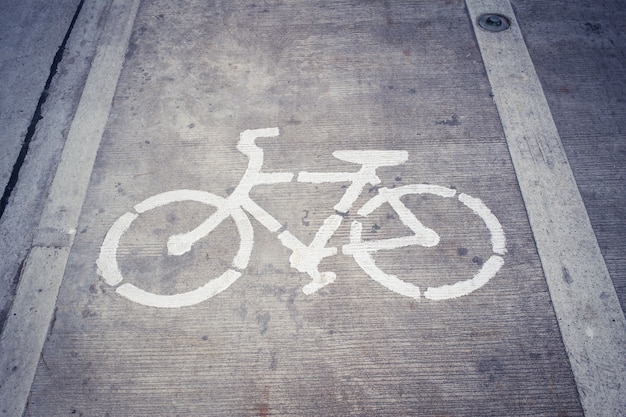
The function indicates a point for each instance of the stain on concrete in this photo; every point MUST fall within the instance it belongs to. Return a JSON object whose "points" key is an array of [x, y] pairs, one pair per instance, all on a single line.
{"points": [[595, 28], [567, 277], [263, 320], [491, 368], [452, 121]]}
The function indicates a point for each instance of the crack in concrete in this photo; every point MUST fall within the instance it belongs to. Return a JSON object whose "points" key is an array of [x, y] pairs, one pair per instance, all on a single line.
{"points": [[37, 115], [4, 313]]}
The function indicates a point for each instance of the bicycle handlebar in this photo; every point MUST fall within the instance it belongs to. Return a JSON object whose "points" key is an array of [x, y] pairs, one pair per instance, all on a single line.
{"points": [[246, 143]]}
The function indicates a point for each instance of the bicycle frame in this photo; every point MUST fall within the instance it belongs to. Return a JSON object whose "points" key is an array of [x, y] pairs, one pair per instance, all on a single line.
{"points": [[304, 258]]}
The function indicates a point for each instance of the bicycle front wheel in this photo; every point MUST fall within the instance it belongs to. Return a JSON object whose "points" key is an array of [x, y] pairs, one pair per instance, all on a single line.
{"points": [[109, 269], [362, 251]]}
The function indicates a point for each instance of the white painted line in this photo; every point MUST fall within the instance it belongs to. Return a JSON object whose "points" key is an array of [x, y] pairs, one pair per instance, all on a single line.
{"points": [[107, 261], [591, 320], [109, 269], [461, 288], [384, 195], [200, 294], [168, 197], [423, 236], [25, 332], [307, 258], [260, 214], [369, 160], [498, 241], [366, 262]]}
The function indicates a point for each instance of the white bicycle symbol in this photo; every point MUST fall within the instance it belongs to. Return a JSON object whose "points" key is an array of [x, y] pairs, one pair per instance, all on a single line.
{"points": [[304, 258]]}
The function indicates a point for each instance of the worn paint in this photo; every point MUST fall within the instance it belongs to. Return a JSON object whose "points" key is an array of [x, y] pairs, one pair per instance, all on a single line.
{"points": [[304, 258], [362, 250]]}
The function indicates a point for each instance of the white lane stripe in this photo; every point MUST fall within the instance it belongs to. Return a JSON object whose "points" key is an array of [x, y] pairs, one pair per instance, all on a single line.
{"points": [[590, 317], [22, 339]]}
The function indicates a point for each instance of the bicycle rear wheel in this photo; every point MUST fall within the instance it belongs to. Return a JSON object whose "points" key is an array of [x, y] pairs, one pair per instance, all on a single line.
{"points": [[109, 269]]}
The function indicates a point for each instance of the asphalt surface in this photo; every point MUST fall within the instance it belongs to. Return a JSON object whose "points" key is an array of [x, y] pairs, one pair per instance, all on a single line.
{"points": [[469, 322]]}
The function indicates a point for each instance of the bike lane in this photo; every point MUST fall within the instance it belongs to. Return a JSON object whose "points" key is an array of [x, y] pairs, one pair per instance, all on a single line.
{"points": [[347, 77]]}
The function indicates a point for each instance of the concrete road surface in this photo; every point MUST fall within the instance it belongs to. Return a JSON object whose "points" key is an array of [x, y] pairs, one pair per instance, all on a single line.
{"points": [[311, 208]]}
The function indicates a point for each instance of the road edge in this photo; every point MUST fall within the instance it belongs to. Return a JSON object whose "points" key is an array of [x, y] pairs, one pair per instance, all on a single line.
{"points": [[587, 308], [51, 123], [33, 307]]}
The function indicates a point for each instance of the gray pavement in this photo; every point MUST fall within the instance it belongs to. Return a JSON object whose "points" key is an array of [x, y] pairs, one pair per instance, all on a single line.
{"points": [[30, 35], [112, 318], [47, 49], [579, 50]]}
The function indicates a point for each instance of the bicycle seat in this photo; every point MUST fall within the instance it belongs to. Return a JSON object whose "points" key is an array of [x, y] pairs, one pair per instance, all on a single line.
{"points": [[377, 158]]}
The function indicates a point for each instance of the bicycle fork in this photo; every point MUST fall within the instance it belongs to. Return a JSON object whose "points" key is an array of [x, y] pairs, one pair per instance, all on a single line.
{"points": [[307, 258]]}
